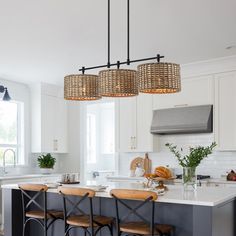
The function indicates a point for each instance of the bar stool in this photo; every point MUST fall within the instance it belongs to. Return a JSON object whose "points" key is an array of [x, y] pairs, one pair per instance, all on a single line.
{"points": [[143, 227], [40, 214], [75, 217]]}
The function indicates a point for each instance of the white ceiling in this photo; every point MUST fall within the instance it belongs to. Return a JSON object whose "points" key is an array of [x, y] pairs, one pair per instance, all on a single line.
{"points": [[43, 40]]}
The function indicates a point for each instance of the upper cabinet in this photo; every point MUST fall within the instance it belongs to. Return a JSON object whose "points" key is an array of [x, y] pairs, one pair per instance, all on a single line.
{"points": [[135, 115], [225, 111], [195, 91], [49, 119]]}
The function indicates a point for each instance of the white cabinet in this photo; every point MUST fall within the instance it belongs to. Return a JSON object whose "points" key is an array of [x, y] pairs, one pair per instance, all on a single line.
{"points": [[135, 115], [195, 91], [225, 111], [49, 119], [127, 124]]}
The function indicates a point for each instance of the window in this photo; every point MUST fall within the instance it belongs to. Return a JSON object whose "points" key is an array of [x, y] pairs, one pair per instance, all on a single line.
{"points": [[99, 125], [11, 132]]}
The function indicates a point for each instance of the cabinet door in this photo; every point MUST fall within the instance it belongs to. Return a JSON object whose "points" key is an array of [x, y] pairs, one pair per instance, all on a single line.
{"points": [[60, 128], [144, 139], [48, 123], [195, 91], [225, 105], [127, 124]]}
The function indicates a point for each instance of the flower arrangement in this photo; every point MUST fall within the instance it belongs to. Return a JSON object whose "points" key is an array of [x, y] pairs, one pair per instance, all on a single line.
{"points": [[195, 156], [190, 162]]}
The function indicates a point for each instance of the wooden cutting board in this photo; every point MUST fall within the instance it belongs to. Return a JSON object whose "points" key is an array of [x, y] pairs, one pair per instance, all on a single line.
{"points": [[147, 164], [144, 163]]}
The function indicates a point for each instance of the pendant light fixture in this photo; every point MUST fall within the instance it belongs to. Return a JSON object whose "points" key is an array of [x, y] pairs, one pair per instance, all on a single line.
{"points": [[118, 83], [6, 96], [82, 87], [153, 78], [159, 78]]}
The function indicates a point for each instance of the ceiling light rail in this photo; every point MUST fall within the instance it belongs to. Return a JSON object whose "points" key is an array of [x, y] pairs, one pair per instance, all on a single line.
{"points": [[128, 62]]}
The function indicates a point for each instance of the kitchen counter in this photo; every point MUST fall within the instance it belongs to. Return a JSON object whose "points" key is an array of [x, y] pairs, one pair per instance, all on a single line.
{"points": [[204, 196], [209, 211]]}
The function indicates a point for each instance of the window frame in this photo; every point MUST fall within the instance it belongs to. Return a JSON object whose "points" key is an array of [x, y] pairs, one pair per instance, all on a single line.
{"points": [[19, 146]]}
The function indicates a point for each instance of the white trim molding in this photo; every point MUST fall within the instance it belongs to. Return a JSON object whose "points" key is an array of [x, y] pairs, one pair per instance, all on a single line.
{"points": [[209, 67]]}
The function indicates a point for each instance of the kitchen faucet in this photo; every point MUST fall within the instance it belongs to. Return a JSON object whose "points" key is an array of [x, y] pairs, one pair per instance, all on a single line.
{"points": [[4, 159]]}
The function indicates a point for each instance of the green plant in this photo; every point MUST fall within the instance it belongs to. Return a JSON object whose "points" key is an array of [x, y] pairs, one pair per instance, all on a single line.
{"points": [[195, 156], [46, 161]]}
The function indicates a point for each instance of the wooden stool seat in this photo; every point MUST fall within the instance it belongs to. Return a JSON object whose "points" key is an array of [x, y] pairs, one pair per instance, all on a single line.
{"points": [[144, 229], [74, 216], [40, 214], [84, 220], [34, 204]]}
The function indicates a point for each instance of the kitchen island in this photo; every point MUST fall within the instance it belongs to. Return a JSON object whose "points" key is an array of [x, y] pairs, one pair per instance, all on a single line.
{"points": [[209, 211]]}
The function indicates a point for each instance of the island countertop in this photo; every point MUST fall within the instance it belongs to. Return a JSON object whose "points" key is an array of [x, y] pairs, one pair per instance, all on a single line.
{"points": [[204, 196]]}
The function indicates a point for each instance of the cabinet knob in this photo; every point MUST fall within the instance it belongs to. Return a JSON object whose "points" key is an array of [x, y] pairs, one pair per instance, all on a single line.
{"points": [[55, 145], [134, 142]]}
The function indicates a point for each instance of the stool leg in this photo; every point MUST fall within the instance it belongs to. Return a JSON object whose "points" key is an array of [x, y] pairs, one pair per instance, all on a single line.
{"points": [[23, 234], [45, 227], [110, 227]]}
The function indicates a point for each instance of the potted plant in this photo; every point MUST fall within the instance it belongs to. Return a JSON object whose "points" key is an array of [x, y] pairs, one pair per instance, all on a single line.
{"points": [[190, 162], [46, 163]]}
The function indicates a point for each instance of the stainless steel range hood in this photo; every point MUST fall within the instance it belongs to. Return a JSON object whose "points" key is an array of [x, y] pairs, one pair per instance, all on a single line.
{"points": [[183, 120]]}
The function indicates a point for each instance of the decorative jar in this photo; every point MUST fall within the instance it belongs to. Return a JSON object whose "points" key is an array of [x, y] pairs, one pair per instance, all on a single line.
{"points": [[189, 178]]}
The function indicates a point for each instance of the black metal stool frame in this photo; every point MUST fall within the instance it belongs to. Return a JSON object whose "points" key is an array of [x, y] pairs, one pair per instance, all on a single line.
{"points": [[134, 211], [75, 206], [32, 201]]}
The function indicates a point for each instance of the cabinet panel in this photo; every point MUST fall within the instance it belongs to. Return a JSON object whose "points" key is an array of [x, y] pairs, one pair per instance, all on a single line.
{"points": [[225, 117], [127, 124], [144, 138], [60, 132], [49, 119], [195, 91], [135, 115], [48, 122]]}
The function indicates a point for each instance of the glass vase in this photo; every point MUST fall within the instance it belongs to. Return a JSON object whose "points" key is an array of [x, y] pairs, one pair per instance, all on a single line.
{"points": [[189, 178]]}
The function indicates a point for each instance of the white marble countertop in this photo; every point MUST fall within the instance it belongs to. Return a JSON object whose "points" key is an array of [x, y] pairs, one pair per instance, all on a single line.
{"points": [[204, 196]]}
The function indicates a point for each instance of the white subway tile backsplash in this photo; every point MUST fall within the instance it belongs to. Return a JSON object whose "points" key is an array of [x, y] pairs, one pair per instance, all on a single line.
{"points": [[215, 165]]}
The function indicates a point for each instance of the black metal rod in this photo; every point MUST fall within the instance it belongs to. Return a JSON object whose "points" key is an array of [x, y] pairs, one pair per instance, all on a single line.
{"points": [[128, 32], [121, 63], [108, 34]]}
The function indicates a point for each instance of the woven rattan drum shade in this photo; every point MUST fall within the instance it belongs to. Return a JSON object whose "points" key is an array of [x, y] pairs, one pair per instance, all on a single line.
{"points": [[82, 87], [118, 83], [159, 78]]}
